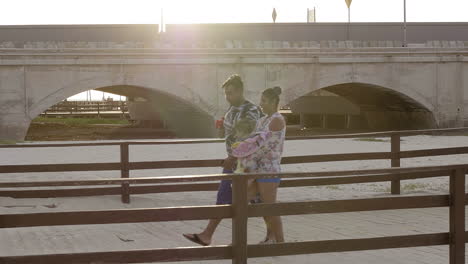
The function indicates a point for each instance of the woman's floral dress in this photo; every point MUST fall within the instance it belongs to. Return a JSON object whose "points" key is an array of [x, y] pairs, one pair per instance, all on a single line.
{"points": [[262, 152]]}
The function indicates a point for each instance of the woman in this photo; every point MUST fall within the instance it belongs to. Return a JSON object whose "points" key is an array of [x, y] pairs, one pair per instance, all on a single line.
{"points": [[268, 158]]}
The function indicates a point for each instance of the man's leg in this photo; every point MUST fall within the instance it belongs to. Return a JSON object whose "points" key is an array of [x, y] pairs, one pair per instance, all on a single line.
{"points": [[207, 234], [224, 196]]}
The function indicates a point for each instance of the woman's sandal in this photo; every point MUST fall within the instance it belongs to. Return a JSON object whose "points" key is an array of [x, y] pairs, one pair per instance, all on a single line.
{"points": [[267, 241]]}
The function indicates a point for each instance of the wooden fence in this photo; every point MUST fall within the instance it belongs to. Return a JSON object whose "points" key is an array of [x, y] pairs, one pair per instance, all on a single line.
{"points": [[240, 211], [394, 155]]}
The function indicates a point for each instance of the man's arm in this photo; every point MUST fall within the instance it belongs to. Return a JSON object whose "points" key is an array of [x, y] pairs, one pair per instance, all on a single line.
{"points": [[229, 162]]}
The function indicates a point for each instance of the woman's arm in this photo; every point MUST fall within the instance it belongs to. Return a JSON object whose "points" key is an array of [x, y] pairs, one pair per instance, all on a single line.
{"points": [[250, 145]]}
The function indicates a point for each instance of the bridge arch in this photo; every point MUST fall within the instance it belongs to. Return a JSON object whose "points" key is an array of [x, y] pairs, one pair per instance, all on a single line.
{"points": [[370, 104], [184, 113], [85, 84]]}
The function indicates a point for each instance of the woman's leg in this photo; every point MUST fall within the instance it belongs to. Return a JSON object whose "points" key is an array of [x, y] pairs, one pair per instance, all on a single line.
{"points": [[268, 191], [251, 190]]}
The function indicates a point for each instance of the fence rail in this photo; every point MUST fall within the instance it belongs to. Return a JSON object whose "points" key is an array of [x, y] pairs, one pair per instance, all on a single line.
{"points": [[401, 133], [125, 166]]}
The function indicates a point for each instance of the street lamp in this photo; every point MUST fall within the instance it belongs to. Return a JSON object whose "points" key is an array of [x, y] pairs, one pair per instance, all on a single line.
{"points": [[404, 23], [348, 3]]}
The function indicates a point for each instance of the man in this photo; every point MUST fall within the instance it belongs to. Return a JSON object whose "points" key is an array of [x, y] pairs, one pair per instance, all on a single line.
{"points": [[239, 108]]}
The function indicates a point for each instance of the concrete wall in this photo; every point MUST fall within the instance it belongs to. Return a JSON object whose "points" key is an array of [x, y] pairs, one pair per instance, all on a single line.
{"points": [[416, 32], [245, 35], [20, 36]]}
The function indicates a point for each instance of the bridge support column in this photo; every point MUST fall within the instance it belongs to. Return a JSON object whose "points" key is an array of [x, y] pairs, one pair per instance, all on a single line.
{"points": [[302, 120], [347, 124], [325, 121], [14, 121], [14, 126]]}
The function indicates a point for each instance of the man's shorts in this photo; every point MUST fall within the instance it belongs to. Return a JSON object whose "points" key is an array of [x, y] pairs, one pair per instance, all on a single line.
{"points": [[225, 191]]}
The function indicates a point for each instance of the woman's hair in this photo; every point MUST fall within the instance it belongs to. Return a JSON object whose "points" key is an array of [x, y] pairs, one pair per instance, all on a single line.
{"points": [[244, 127], [272, 94]]}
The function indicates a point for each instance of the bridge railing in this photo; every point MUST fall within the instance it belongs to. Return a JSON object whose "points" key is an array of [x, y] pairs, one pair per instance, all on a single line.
{"points": [[98, 107], [125, 166], [240, 211]]}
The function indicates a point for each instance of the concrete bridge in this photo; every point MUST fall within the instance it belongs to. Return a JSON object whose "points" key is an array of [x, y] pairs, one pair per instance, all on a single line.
{"points": [[379, 82]]}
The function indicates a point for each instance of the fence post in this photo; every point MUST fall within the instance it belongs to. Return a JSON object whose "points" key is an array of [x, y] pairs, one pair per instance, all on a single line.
{"points": [[239, 219], [98, 113], [457, 216], [395, 162], [124, 172]]}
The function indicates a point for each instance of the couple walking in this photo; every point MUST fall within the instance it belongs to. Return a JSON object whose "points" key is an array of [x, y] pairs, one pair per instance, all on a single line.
{"points": [[254, 143]]}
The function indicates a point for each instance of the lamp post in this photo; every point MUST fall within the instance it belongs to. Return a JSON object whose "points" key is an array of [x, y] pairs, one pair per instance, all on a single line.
{"points": [[404, 23], [161, 27], [348, 3], [349, 14], [311, 15]]}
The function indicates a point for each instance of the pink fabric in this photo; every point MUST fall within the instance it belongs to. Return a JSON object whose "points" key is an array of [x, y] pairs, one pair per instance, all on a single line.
{"points": [[250, 145], [262, 152]]}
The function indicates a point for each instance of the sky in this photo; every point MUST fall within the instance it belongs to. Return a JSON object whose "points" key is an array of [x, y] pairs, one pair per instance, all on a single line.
{"points": [[21, 12], [34, 12]]}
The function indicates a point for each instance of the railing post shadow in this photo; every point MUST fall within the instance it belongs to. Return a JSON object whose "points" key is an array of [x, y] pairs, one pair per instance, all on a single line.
{"points": [[395, 160], [124, 172], [239, 219], [457, 216]]}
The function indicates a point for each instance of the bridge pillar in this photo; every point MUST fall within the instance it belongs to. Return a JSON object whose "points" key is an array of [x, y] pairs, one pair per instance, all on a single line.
{"points": [[13, 126], [324, 121], [14, 122], [302, 120]]}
